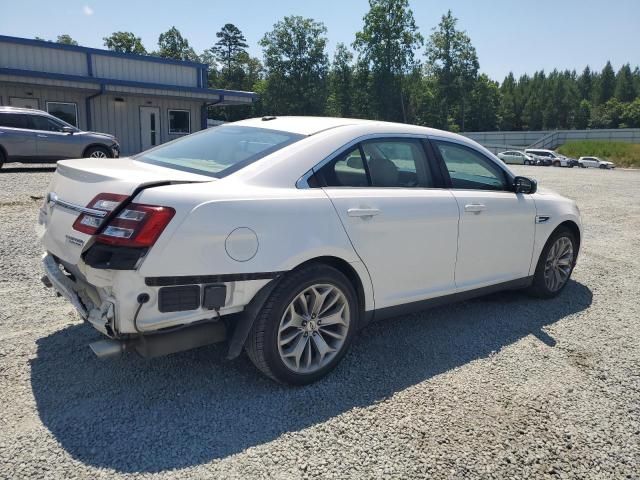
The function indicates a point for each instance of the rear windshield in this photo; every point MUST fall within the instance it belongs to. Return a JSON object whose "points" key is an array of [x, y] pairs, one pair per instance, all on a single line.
{"points": [[218, 151]]}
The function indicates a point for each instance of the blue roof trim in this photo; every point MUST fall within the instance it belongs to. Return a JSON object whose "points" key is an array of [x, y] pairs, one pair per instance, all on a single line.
{"points": [[124, 83], [109, 53]]}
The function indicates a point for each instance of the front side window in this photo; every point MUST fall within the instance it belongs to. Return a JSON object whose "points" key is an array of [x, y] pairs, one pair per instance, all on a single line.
{"points": [[13, 120], [67, 112], [379, 163], [179, 122], [44, 123], [218, 151], [469, 169]]}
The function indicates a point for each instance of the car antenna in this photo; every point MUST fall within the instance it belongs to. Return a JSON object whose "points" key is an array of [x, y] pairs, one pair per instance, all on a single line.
{"points": [[266, 118]]}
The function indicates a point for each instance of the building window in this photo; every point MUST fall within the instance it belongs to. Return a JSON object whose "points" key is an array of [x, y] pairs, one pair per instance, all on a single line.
{"points": [[67, 112], [179, 122]]}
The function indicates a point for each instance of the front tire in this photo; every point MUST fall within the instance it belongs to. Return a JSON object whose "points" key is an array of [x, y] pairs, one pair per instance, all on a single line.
{"points": [[604, 167], [306, 326], [97, 152], [2, 158], [555, 265], [556, 163]]}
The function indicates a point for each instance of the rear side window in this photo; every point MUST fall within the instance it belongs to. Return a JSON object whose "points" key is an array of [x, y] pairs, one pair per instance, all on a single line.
{"points": [[13, 120], [379, 163], [469, 169], [44, 123], [218, 151]]}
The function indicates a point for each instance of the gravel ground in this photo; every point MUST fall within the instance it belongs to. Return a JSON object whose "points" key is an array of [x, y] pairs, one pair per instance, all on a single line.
{"points": [[500, 387]]}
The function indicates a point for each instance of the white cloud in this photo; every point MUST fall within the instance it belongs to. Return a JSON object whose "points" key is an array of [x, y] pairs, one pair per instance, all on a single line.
{"points": [[87, 10]]}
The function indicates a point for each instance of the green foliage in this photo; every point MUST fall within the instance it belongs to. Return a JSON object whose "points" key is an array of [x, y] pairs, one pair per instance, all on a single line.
{"points": [[625, 90], [452, 60], [66, 40], [387, 44], [621, 153], [171, 44], [124, 42], [606, 84], [631, 114], [340, 83], [230, 46], [296, 65]]}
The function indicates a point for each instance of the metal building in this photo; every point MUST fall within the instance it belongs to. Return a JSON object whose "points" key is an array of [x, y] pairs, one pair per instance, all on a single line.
{"points": [[142, 100]]}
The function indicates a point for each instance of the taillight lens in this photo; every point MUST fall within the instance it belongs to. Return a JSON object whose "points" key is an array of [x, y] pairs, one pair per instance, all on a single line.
{"points": [[104, 202], [137, 226]]}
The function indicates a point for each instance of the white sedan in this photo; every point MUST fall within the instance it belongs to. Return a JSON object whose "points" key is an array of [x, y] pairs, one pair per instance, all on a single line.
{"points": [[595, 162], [285, 236], [515, 157]]}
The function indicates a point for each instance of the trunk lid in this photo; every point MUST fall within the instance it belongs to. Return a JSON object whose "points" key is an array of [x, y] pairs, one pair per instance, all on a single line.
{"points": [[76, 182]]}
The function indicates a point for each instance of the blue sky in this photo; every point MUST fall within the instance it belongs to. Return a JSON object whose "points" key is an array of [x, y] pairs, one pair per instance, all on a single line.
{"points": [[509, 35]]}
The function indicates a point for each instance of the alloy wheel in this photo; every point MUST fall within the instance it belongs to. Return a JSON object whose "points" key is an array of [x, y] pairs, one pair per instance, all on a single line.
{"points": [[98, 154], [558, 264], [314, 328]]}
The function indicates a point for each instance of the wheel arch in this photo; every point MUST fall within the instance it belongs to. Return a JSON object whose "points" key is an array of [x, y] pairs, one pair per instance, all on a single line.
{"points": [[3, 154], [92, 145], [573, 227], [352, 275]]}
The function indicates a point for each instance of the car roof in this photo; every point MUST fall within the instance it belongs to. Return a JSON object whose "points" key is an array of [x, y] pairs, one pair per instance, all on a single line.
{"points": [[30, 111], [539, 150], [312, 125]]}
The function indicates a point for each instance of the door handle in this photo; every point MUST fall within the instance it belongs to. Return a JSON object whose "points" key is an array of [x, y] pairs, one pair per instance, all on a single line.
{"points": [[40, 135], [475, 208], [363, 212]]}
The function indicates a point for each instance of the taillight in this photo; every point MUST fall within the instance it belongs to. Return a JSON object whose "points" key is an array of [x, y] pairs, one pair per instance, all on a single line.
{"points": [[137, 226], [102, 204]]}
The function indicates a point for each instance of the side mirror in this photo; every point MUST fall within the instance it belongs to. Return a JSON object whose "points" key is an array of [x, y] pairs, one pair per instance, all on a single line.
{"points": [[355, 162], [524, 185], [69, 130]]}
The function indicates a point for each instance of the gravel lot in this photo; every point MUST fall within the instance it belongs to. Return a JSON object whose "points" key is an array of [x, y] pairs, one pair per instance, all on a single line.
{"points": [[500, 387]]}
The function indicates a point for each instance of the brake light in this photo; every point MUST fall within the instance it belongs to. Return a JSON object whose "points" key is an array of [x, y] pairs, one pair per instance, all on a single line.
{"points": [[104, 202], [137, 226]]}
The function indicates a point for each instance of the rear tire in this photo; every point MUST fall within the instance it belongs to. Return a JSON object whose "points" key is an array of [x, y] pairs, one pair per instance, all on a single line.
{"points": [[555, 265], [298, 337], [97, 152]]}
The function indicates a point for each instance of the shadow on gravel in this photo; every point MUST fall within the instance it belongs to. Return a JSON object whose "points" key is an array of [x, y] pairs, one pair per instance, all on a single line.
{"points": [[136, 415], [6, 169]]}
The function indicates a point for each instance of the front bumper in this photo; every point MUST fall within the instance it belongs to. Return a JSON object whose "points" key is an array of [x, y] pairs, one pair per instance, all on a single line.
{"points": [[115, 150]]}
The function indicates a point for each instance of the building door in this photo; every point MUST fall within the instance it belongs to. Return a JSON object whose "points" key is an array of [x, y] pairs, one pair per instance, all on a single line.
{"points": [[149, 127]]}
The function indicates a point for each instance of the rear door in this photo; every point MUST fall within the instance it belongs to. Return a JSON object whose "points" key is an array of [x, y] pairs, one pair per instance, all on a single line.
{"points": [[16, 137], [403, 227], [497, 226]]}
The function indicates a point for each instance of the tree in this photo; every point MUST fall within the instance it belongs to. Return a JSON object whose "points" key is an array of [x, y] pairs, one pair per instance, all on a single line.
{"points": [[484, 102], [631, 114], [340, 83], [296, 65], [230, 45], [607, 115], [387, 43], [454, 62], [66, 40], [507, 109], [606, 84], [173, 45], [585, 84], [625, 90], [124, 42], [583, 114]]}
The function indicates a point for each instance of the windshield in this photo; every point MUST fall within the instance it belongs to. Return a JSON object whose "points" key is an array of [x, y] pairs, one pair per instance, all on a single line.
{"points": [[218, 151]]}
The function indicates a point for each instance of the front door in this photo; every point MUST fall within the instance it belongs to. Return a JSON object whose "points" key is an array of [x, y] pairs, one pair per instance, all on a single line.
{"points": [[497, 226], [149, 127], [404, 230]]}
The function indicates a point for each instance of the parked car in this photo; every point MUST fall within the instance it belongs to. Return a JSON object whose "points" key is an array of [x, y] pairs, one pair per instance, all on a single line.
{"points": [[34, 136], [516, 158], [595, 162], [557, 160], [286, 236]]}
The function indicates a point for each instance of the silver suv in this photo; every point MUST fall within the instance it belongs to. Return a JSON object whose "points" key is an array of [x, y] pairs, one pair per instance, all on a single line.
{"points": [[34, 136]]}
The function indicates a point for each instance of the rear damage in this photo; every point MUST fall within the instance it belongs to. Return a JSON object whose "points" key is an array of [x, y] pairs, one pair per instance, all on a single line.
{"points": [[96, 238]]}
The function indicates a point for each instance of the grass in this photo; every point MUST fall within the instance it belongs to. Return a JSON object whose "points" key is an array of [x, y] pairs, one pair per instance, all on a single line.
{"points": [[621, 153]]}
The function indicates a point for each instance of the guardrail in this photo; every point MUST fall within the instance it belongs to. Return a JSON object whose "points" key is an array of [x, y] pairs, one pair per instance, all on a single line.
{"points": [[549, 139]]}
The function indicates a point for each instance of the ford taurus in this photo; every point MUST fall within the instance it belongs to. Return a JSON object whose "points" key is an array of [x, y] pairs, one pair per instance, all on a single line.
{"points": [[286, 236]]}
